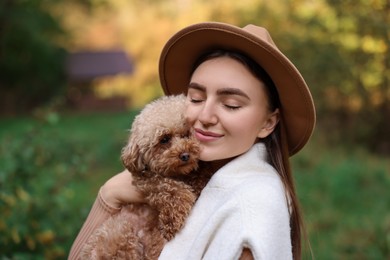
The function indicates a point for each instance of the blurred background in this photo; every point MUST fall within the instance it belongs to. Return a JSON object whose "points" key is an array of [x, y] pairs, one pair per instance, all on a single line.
{"points": [[73, 73]]}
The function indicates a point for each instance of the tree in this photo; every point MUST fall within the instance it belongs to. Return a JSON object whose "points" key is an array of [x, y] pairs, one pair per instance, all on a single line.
{"points": [[368, 92], [343, 50], [31, 63]]}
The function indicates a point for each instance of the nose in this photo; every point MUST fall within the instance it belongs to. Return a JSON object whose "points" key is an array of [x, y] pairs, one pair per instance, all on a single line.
{"points": [[207, 115], [184, 157]]}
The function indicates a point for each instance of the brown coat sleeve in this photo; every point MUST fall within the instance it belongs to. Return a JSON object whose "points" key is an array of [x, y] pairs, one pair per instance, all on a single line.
{"points": [[99, 213]]}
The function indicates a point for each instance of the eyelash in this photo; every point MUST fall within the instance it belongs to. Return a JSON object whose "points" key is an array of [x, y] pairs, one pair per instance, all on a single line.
{"points": [[196, 100], [230, 107]]}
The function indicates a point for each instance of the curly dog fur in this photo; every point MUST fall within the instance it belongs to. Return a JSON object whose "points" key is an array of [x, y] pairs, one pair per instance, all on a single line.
{"points": [[162, 155]]}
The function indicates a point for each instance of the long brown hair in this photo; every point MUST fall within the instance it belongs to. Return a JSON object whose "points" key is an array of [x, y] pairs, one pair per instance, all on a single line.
{"points": [[276, 145]]}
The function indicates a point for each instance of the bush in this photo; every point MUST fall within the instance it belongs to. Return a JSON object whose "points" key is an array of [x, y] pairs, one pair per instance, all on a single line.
{"points": [[37, 175]]}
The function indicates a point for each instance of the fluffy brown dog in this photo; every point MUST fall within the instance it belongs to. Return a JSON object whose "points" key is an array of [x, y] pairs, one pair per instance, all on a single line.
{"points": [[162, 155]]}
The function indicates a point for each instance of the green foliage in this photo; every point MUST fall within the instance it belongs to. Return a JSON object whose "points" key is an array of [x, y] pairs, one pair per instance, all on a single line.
{"points": [[50, 170], [38, 173], [31, 62], [343, 50]]}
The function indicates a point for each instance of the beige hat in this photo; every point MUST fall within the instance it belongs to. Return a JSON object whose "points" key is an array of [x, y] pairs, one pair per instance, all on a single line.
{"points": [[185, 47]]}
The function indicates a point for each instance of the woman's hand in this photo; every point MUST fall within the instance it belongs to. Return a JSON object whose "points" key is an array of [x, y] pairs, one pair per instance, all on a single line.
{"points": [[246, 254], [119, 190]]}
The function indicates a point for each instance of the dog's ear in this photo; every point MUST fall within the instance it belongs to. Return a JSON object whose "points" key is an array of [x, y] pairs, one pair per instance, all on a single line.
{"points": [[132, 157]]}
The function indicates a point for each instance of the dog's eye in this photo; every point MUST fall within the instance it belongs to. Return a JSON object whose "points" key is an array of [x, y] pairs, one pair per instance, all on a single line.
{"points": [[165, 139]]}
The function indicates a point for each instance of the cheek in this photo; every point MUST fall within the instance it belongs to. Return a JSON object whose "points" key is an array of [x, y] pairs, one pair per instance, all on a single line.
{"points": [[250, 125], [190, 115]]}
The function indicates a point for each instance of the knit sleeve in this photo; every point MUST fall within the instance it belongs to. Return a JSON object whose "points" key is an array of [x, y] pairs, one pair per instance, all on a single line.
{"points": [[99, 213]]}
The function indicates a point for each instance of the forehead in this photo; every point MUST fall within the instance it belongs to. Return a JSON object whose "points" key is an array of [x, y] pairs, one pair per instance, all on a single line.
{"points": [[227, 73]]}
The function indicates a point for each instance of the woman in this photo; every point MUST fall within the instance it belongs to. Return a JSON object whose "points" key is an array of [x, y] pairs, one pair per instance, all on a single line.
{"points": [[250, 109]]}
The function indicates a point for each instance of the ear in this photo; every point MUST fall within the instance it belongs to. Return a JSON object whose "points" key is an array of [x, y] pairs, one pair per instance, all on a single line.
{"points": [[270, 124], [131, 157]]}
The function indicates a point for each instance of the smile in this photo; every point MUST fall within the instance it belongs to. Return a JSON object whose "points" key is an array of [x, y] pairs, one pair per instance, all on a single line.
{"points": [[205, 136]]}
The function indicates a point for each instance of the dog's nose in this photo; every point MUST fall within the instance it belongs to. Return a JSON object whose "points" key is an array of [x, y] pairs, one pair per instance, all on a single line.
{"points": [[184, 157]]}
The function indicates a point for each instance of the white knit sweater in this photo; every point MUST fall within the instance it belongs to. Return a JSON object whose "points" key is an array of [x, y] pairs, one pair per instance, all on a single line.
{"points": [[243, 205]]}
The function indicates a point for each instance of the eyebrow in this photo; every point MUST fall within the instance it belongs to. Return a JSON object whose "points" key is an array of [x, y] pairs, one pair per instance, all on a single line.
{"points": [[221, 92]]}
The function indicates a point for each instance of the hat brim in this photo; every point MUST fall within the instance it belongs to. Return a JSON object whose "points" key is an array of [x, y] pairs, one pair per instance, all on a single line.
{"points": [[185, 47]]}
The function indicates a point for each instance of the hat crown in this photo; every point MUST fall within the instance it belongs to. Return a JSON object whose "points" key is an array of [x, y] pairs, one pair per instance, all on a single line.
{"points": [[261, 33]]}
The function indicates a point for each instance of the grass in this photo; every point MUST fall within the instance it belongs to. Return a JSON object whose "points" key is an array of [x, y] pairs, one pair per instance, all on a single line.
{"points": [[344, 192], [346, 200]]}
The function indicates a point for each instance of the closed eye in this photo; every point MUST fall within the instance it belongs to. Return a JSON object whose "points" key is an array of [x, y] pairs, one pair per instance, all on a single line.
{"points": [[230, 107], [193, 100]]}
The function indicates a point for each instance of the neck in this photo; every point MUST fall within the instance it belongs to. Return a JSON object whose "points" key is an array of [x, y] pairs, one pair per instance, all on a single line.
{"points": [[216, 165]]}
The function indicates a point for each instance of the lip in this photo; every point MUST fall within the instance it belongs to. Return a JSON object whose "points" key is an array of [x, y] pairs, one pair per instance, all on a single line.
{"points": [[206, 136]]}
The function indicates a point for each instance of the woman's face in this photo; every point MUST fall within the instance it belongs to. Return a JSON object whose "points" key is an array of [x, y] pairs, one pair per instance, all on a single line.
{"points": [[228, 108]]}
